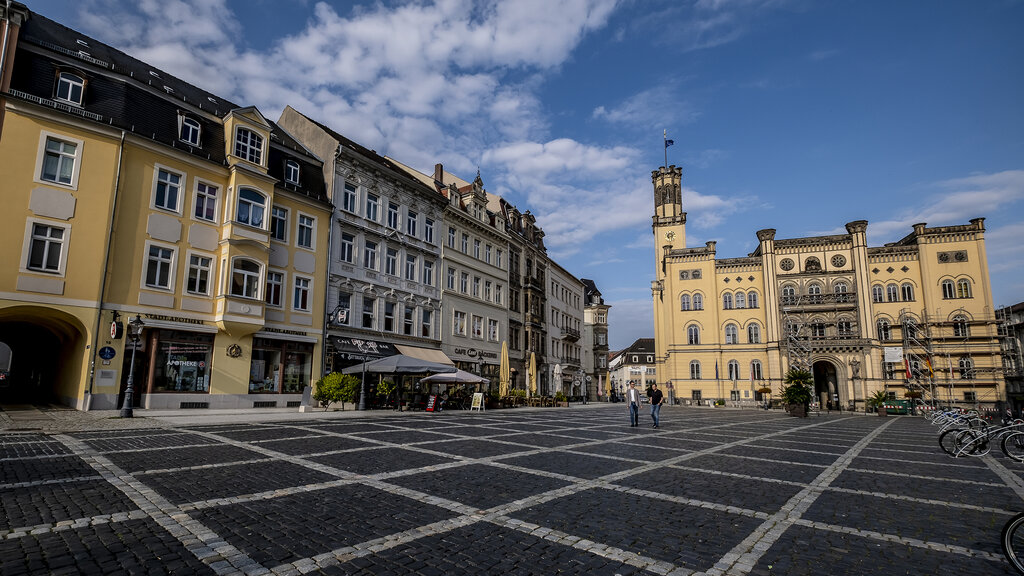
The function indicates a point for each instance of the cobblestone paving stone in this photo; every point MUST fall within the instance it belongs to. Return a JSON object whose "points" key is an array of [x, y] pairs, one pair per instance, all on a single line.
{"points": [[524, 491]]}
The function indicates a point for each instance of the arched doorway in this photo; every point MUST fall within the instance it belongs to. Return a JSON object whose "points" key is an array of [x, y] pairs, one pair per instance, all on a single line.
{"points": [[826, 388], [43, 356], [29, 378]]}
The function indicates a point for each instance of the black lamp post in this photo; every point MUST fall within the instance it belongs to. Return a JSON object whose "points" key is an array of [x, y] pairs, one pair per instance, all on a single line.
{"points": [[135, 327]]}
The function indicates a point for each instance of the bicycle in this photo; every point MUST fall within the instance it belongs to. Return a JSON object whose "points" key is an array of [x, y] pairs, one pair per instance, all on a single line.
{"points": [[1012, 540], [975, 441]]}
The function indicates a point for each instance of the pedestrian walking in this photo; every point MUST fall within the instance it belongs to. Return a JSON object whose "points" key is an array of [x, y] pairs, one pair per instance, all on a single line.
{"points": [[656, 399], [633, 400]]}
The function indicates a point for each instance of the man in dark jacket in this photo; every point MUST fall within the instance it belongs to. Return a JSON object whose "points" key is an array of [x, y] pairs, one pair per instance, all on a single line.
{"points": [[656, 400]]}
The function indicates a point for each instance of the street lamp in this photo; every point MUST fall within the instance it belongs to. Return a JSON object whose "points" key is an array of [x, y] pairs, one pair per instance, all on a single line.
{"points": [[135, 327], [581, 376]]}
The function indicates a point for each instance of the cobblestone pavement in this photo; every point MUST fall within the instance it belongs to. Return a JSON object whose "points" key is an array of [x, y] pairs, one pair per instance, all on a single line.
{"points": [[566, 491]]}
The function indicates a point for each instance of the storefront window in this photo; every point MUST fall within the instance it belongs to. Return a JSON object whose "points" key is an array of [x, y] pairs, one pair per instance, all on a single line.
{"points": [[279, 366], [182, 361]]}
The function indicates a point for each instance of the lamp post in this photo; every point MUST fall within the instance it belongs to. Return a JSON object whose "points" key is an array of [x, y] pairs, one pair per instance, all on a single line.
{"points": [[135, 327]]}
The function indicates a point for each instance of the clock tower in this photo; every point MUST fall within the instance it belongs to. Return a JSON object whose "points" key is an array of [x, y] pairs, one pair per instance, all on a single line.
{"points": [[669, 222]]}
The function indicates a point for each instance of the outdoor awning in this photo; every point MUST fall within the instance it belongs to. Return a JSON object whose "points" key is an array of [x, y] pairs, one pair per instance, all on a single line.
{"points": [[428, 354]]}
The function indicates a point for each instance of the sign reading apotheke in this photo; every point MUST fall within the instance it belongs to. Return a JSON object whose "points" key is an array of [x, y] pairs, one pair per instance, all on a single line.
{"points": [[474, 353]]}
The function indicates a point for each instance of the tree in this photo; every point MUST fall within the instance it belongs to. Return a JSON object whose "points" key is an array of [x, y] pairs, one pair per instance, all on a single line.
{"points": [[798, 386], [336, 387]]}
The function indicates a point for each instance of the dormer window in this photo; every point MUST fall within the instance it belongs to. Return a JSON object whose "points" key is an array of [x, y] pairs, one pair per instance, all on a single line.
{"points": [[249, 145], [70, 88], [189, 130], [291, 172]]}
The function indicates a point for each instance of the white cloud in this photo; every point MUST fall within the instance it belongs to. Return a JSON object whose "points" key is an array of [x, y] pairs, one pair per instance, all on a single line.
{"points": [[963, 198], [658, 107]]}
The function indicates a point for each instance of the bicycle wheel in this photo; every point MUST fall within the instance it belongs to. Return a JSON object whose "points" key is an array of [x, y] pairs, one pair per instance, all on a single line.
{"points": [[946, 440], [1013, 446], [1012, 540], [971, 443]]}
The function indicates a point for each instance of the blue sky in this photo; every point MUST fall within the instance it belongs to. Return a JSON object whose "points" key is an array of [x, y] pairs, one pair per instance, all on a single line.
{"points": [[787, 114]]}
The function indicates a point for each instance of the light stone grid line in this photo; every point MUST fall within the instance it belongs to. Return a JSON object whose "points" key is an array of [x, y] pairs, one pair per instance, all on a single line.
{"points": [[33, 484], [73, 524], [916, 543], [905, 498], [742, 558], [1013, 481], [501, 515], [919, 477], [489, 515], [200, 466], [199, 540]]}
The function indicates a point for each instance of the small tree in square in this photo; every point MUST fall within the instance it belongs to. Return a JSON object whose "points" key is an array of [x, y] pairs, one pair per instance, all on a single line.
{"points": [[336, 387]]}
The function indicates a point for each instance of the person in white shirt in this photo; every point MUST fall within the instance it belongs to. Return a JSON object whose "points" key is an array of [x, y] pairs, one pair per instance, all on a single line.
{"points": [[633, 401]]}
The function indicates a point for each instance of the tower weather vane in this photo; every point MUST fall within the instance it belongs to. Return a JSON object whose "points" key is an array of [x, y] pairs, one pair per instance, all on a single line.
{"points": [[664, 135]]}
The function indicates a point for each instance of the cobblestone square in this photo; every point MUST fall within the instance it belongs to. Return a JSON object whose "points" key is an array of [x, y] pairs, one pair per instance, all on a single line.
{"points": [[522, 491]]}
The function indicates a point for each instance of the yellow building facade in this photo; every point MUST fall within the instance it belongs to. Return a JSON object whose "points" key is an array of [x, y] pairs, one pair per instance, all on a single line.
{"points": [[913, 318], [130, 193]]}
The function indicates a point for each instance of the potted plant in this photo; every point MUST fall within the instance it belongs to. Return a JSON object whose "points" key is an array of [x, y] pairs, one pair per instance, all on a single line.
{"points": [[492, 400], [561, 400], [876, 402], [796, 393]]}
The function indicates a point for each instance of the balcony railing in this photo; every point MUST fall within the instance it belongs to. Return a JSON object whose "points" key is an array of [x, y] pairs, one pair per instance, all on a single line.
{"points": [[570, 334], [818, 299]]}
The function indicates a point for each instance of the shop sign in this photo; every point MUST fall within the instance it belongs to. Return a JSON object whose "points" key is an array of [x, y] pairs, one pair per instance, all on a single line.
{"points": [[182, 320], [107, 353], [474, 353], [357, 347]]}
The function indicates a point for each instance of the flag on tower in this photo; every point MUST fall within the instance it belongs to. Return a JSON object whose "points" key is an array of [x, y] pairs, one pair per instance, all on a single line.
{"points": [[669, 142]]}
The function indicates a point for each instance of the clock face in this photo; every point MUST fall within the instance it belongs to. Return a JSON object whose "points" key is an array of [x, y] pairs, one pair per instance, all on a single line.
{"points": [[670, 235]]}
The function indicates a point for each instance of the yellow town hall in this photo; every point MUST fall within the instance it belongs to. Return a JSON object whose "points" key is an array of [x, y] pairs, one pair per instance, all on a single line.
{"points": [[914, 315]]}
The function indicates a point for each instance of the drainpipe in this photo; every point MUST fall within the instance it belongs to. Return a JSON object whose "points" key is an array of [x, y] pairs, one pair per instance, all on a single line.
{"points": [[106, 263]]}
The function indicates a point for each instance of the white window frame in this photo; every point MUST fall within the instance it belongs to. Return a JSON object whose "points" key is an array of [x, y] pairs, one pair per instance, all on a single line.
{"points": [[459, 323], [370, 256], [428, 230], [258, 280], [391, 261], [80, 84], [350, 198], [347, 248], [44, 137], [310, 226], [282, 235], [27, 247], [291, 172], [427, 323], [172, 265], [493, 329], [411, 221], [372, 207], [205, 195], [210, 276], [193, 134], [451, 278], [238, 203], [411, 264], [428, 273], [278, 284], [249, 149], [394, 215], [302, 284], [159, 169], [478, 327]]}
